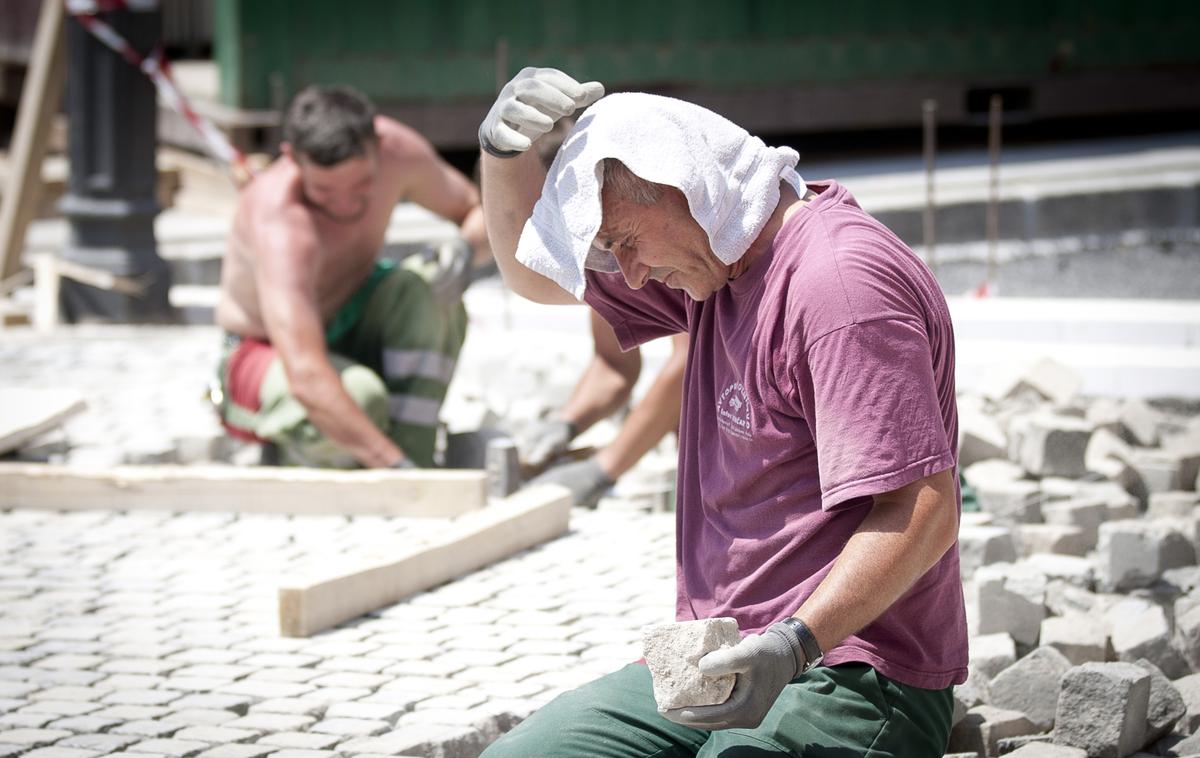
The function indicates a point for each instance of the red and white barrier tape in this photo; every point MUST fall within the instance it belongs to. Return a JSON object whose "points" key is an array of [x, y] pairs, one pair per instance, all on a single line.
{"points": [[158, 68]]}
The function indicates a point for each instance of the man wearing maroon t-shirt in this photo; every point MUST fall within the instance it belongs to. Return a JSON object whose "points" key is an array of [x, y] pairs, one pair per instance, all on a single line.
{"points": [[818, 500]]}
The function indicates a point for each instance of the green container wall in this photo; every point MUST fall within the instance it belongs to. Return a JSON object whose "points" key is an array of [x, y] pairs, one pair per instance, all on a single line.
{"points": [[445, 50]]}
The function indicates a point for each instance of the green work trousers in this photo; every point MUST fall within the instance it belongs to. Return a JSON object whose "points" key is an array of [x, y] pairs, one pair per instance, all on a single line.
{"points": [[844, 711], [394, 344]]}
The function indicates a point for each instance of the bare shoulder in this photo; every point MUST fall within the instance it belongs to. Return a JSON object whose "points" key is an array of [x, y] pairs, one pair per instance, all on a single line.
{"points": [[400, 142], [271, 212]]}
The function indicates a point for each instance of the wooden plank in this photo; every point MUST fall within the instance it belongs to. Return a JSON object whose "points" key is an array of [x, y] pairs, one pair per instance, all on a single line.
{"points": [[480, 538], [26, 413], [39, 103], [261, 489]]}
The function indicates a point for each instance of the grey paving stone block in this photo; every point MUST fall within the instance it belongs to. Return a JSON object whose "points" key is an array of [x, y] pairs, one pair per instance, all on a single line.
{"points": [[1172, 504], [1011, 501], [19, 720], [673, 652], [1011, 599], [1042, 750], [1187, 635], [1185, 748], [975, 691], [1102, 709], [175, 748], [982, 545], [61, 752], [1189, 689], [1135, 554], [1157, 470], [84, 724], [348, 727], [31, 738], [9, 704], [291, 707], [984, 726], [12, 689], [271, 722], [433, 741], [285, 675], [236, 703], [288, 753], [1140, 421], [1078, 637], [1030, 686], [61, 707], [1080, 572], [1052, 445], [215, 734], [979, 436], [266, 690], [148, 728], [141, 697], [301, 740], [132, 712], [1055, 539], [103, 743], [238, 751], [1147, 634], [1166, 706], [372, 711], [201, 717]]}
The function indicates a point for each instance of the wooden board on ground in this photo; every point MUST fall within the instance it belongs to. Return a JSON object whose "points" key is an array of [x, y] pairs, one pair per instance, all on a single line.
{"points": [[27, 413], [504, 527], [262, 489]]}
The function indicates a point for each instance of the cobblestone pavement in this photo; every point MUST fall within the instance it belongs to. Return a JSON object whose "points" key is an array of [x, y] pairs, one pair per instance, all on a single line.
{"points": [[156, 633], [153, 633]]}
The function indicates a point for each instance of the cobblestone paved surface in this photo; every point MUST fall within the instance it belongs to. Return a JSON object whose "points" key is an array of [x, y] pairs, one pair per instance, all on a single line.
{"points": [[156, 633], [153, 633]]}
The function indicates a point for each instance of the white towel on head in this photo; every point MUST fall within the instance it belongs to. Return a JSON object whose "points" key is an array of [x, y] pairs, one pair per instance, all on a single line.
{"points": [[729, 177]]}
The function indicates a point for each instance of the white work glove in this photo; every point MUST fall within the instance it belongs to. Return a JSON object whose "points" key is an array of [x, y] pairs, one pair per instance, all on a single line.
{"points": [[585, 479], [542, 441], [529, 106], [764, 663]]}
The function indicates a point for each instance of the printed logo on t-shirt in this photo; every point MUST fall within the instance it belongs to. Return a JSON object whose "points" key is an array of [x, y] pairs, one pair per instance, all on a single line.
{"points": [[733, 411]]}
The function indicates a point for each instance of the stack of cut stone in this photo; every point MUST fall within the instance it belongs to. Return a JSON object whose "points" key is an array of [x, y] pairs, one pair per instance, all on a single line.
{"points": [[1080, 573]]}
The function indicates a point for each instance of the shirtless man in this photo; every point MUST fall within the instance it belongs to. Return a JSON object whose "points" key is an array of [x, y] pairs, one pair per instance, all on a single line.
{"points": [[337, 356]]}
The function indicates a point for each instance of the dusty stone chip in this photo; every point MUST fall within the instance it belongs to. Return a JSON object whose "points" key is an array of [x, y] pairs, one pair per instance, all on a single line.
{"points": [[673, 652]]}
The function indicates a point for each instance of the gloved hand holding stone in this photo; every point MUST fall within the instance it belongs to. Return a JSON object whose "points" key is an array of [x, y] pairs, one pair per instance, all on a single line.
{"points": [[544, 440], [529, 106], [764, 663], [585, 479]]}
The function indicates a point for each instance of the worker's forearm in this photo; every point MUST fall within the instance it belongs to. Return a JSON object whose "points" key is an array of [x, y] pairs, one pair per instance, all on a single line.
{"points": [[651, 419], [475, 234], [901, 538], [602, 389], [511, 187], [340, 419]]}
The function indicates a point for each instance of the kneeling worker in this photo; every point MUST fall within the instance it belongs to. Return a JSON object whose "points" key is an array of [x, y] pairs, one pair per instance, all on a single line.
{"points": [[337, 356]]}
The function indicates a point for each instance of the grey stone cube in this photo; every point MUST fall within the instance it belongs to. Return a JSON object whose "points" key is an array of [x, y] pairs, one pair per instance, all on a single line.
{"points": [[1166, 706], [673, 652], [1102, 709], [1031, 686]]}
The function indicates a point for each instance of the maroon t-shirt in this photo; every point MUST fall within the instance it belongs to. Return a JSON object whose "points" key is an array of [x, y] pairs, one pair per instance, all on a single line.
{"points": [[820, 377]]}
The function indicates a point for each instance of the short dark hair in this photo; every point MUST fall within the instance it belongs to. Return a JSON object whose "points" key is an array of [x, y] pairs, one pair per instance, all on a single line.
{"points": [[330, 124]]}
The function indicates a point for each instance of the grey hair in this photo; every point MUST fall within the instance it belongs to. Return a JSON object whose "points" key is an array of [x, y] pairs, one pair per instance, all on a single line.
{"points": [[626, 185]]}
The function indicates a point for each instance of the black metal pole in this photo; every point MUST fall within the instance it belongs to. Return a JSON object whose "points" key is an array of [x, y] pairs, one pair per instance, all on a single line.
{"points": [[111, 200]]}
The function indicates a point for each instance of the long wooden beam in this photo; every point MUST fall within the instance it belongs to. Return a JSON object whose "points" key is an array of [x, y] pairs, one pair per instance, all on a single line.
{"points": [[263, 489], [504, 527]]}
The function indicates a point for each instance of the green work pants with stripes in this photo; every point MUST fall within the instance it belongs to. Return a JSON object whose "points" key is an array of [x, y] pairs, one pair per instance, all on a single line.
{"points": [[395, 358], [844, 711]]}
